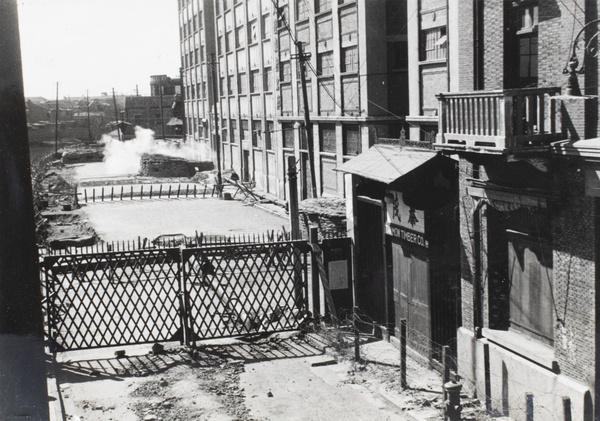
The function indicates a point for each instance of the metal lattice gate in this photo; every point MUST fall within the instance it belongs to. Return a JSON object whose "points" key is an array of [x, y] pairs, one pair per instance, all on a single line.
{"points": [[249, 288], [123, 298]]}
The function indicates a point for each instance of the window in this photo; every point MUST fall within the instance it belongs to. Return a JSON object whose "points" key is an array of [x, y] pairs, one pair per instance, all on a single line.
{"points": [[520, 272], [225, 130], [351, 141], [433, 43], [285, 71], [222, 86], [282, 17], [242, 82], [325, 63], [303, 138], [253, 32], [266, 27], [234, 131], [240, 37], [324, 30], [350, 59], [521, 47], [288, 135], [328, 141], [284, 42], [528, 60], [228, 41], [257, 134], [302, 11], [350, 93], [254, 81], [326, 96], [267, 80], [268, 135], [245, 134], [230, 85], [322, 5]]}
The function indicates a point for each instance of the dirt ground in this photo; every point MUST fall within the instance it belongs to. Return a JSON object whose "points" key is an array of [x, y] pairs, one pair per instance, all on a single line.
{"points": [[283, 376]]}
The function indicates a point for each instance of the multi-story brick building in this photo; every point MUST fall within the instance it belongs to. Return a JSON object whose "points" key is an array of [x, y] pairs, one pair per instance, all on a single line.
{"points": [[161, 111], [528, 206], [356, 83]]}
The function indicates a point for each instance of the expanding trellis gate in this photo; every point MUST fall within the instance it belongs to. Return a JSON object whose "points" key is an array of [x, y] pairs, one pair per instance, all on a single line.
{"points": [[132, 297]]}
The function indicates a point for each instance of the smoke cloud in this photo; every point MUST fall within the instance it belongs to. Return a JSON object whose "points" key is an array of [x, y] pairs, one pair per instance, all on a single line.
{"points": [[125, 157]]}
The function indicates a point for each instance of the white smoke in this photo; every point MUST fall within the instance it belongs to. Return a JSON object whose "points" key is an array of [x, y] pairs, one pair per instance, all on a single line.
{"points": [[124, 157]]}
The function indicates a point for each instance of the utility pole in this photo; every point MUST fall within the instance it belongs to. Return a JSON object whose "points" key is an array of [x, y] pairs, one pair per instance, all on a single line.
{"points": [[183, 116], [56, 124], [216, 124], [117, 115], [87, 95], [162, 121], [23, 382], [302, 57]]}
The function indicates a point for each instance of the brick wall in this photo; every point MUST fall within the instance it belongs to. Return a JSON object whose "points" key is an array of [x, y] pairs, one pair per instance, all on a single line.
{"points": [[493, 55], [574, 276], [466, 250], [465, 47]]}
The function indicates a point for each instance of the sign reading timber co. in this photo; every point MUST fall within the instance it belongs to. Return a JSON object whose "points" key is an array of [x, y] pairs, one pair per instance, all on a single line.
{"points": [[403, 221]]}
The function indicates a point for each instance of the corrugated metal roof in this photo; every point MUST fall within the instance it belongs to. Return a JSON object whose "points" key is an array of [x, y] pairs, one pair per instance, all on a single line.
{"points": [[386, 163]]}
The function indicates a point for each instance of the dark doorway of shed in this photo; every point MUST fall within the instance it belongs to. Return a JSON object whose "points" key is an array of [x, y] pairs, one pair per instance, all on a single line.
{"points": [[371, 291]]}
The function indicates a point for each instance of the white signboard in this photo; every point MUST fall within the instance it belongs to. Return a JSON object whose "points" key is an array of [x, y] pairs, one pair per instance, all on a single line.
{"points": [[400, 215]]}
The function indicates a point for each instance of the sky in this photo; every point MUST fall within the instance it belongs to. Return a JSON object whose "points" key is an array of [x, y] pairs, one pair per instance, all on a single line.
{"points": [[97, 45]]}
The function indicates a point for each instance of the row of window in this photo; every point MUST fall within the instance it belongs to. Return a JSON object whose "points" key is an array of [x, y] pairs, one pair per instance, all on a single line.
{"points": [[351, 143]]}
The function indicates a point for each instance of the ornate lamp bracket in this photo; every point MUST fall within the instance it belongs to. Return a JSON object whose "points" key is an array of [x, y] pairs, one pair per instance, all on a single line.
{"points": [[588, 48]]}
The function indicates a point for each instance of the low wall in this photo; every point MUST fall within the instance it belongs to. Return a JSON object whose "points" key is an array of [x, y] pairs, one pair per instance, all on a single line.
{"points": [[517, 386]]}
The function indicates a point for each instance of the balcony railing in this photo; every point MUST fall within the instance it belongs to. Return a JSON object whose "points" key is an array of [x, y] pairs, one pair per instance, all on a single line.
{"points": [[498, 120]]}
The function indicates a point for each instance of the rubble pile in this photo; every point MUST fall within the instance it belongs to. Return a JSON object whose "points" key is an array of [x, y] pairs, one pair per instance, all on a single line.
{"points": [[83, 153], [156, 165], [328, 214]]}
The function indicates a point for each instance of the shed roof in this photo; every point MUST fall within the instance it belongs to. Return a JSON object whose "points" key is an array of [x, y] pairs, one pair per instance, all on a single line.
{"points": [[387, 163]]}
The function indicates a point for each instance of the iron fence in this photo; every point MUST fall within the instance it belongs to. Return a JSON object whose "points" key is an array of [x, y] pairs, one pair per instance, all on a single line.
{"points": [[142, 296]]}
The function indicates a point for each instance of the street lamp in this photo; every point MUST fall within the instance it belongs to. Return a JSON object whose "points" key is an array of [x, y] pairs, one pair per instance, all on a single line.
{"points": [[573, 63]]}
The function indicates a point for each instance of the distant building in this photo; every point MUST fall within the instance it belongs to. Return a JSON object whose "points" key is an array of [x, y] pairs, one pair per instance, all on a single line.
{"points": [[160, 112], [242, 55]]}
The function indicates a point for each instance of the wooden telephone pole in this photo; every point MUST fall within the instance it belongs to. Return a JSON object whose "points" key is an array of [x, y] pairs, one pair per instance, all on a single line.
{"points": [[117, 115], [56, 124], [215, 75], [302, 57], [87, 95]]}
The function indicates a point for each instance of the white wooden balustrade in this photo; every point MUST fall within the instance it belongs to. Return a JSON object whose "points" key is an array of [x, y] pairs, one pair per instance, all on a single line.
{"points": [[498, 120]]}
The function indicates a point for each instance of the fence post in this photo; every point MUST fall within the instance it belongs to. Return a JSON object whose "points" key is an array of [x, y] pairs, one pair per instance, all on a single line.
{"points": [[160, 191], [112, 193], [151, 191], [194, 191], [356, 335], [178, 190], [187, 190], [445, 369], [131, 193], [141, 192], [103, 194], [314, 273], [169, 196], [293, 198], [403, 382], [85, 194], [122, 192]]}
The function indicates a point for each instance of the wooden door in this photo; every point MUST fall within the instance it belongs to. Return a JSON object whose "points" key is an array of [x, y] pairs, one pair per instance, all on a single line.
{"points": [[411, 294]]}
